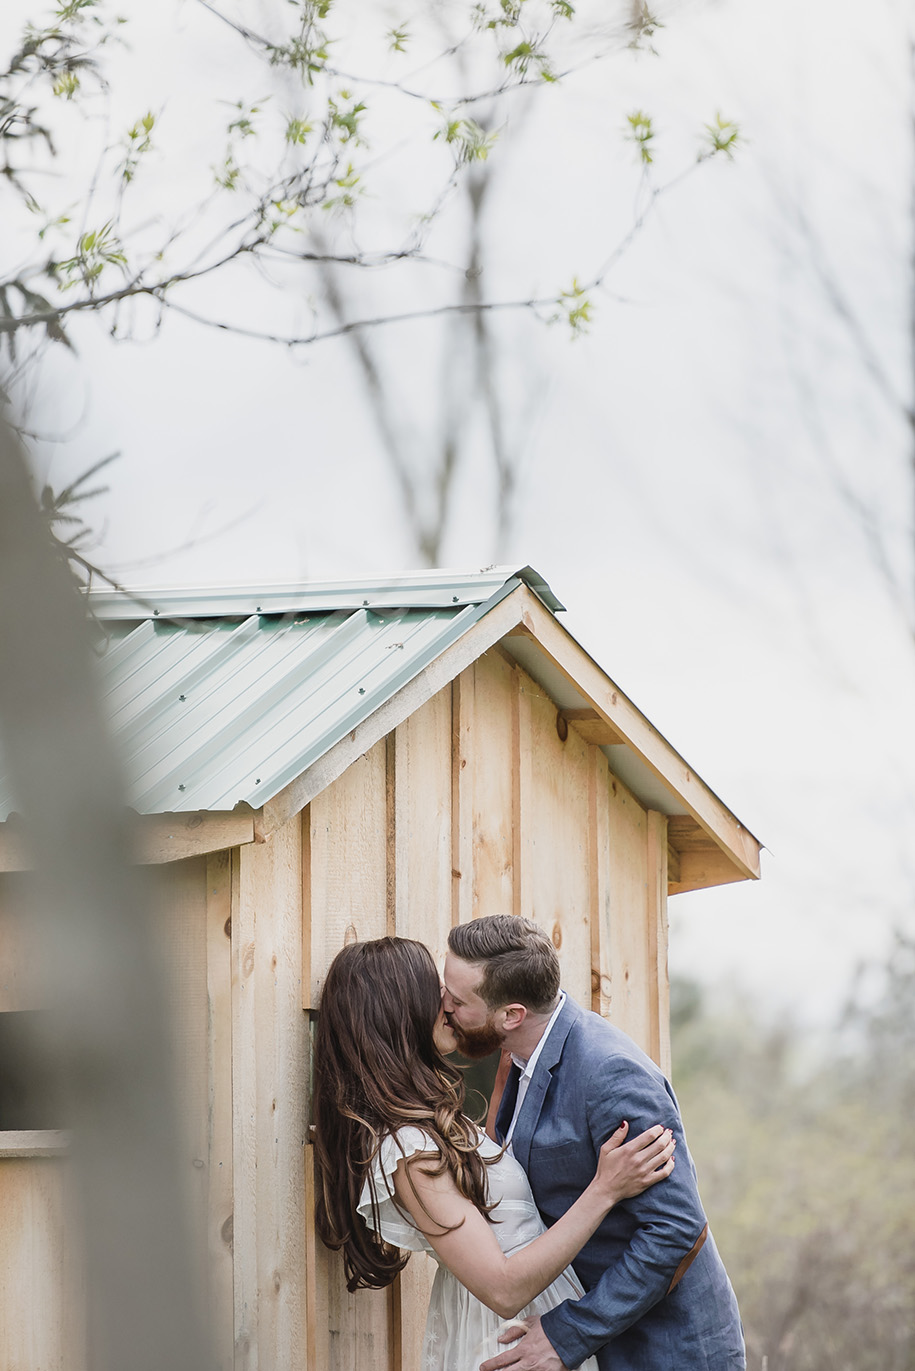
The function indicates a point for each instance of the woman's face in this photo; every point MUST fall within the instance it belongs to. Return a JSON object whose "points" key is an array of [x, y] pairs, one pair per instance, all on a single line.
{"points": [[443, 1035]]}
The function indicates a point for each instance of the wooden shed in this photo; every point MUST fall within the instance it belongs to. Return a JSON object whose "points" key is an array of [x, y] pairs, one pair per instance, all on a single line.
{"points": [[315, 764]]}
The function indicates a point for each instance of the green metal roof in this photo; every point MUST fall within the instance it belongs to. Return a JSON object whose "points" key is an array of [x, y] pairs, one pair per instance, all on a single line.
{"points": [[221, 696]]}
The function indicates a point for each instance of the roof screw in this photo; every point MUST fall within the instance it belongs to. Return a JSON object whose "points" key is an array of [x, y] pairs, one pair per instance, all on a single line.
{"points": [[258, 610], [181, 787], [258, 781], [365, 602], [362, 690], [182, 697], [454, 599], [155, 612]]}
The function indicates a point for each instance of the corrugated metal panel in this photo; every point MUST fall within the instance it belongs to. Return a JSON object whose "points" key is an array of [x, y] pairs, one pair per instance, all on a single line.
{"points": [[213, 710]]}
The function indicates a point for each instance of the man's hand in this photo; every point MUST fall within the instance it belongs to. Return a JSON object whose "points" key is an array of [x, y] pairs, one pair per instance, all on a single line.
{"points": [[533, 1352]]}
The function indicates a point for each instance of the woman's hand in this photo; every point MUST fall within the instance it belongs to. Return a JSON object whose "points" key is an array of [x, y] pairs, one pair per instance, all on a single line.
{"points": [[625, 1169]]}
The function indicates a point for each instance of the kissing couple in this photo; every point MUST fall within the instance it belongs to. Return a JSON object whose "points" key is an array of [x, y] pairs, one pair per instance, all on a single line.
{"points": [[577, 1226]]}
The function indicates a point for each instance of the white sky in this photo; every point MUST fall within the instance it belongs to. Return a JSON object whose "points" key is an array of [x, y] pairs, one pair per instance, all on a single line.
{"points": [[690, 464]]}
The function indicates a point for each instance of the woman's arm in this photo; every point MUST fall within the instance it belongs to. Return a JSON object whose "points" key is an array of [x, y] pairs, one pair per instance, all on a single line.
{"points": [[467, 1244]]}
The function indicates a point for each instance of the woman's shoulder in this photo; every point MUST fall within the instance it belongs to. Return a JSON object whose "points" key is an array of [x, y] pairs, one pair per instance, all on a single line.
{"points": [[413, 1139], [408, 1141]]}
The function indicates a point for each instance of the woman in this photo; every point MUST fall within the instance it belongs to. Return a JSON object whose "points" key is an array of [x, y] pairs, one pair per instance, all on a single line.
{"points": [[400, 1168]]}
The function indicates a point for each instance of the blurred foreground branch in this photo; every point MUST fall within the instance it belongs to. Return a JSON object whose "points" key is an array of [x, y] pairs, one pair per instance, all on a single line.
{"points": [[104, 1033]]}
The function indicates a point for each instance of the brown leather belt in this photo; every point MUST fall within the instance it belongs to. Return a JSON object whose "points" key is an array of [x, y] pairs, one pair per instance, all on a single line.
{"points": [[688, 1260]]}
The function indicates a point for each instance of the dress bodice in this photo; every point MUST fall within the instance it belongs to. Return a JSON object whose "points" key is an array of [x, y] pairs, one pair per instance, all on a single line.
{"points": [[516, 1220], [460, 1330]]}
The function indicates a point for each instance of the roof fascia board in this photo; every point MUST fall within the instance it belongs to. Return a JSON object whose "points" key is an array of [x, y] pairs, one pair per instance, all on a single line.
{"points": [[157, 838], [641, 736], [498, 618]]}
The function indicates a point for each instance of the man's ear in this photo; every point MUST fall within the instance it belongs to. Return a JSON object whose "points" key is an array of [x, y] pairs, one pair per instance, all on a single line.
{"points": [[513, 1016]]}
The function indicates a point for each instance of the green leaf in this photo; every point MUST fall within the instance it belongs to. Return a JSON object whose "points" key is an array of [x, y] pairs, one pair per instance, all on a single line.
{"points": [[722, 136], [641, 132]]}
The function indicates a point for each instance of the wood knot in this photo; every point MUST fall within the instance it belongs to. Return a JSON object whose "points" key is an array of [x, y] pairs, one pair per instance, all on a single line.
{"points": [[556, 936]]}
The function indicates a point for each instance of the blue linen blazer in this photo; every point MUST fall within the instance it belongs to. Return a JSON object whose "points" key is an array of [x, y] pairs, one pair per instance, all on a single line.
{"points": [[590, 1077]]}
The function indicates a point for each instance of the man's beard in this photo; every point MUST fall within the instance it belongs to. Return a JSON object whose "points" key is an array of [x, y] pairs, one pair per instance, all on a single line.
{"points": [[477, 1043]]}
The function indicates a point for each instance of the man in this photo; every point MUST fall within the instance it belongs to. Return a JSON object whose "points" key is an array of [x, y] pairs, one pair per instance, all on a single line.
{"points": [[657, 1295]]}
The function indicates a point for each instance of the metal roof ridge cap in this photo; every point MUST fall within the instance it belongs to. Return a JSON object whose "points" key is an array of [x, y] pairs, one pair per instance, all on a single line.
{"points": [[541, 588], [420, 589]]}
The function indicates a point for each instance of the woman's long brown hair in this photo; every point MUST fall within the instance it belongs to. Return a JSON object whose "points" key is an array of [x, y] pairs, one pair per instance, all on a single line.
{"points": [[377, 1069]]}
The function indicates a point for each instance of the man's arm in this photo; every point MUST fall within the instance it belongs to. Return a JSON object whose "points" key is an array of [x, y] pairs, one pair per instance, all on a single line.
{"points": [[669, 1220]]}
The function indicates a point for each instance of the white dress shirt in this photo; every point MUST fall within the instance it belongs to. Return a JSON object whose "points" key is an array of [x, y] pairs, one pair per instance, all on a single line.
{"points": [[527, 1069]]}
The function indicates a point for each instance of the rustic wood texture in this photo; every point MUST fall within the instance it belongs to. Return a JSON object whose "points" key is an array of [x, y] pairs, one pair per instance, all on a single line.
{"points": [[603, 912], [422, 825], [29, 1142], [627, 958], [462, 754], [523, 691], [478, 797], [221, 878], [179, 899], [269, 1105], [591, 727], [41, 1290], [157, 837], [556, 829], [348, 862], [698, 861], [446, 668], [421, 837], [348, 898], [656, 927], [736, 843], [491, 779]]}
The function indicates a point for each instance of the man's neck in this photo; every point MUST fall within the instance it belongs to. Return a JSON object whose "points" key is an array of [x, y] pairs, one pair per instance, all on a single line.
{"points": [[523, 1041]]}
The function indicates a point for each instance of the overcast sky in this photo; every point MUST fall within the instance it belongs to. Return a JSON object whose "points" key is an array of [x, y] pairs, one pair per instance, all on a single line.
{"points": [[717, 478]]}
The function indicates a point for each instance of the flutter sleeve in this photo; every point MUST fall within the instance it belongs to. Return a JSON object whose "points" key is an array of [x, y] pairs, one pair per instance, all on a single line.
{"points": [[377, 1204]]}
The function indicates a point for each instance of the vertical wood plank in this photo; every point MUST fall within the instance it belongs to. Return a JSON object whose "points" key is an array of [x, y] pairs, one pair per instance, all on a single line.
{"points": [[657, 939], [42, 1298], [632, 974], [220, 1203], [309, 932], [348, 842], [316, 1317], [390, 829], [348, 898], [244, 1114], [422, 853], [270, 1112], [462, 753], [179, 901], [492, 785], [558, 851], [422, 842], [603, 912], [317, 1324], [522, 888]]}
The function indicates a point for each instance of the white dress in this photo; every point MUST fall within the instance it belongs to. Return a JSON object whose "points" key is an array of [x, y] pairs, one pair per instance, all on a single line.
{"points": [[460, 1331]]}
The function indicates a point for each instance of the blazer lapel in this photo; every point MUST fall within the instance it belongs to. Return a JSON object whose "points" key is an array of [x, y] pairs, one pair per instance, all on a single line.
{"points": [[546, 1063]]}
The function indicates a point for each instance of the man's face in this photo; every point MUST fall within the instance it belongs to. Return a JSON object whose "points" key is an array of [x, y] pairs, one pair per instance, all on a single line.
{"points": [[473, 1022]]}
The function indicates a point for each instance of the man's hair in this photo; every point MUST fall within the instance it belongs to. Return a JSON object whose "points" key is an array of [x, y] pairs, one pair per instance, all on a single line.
{"points": [[519, 962]]}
